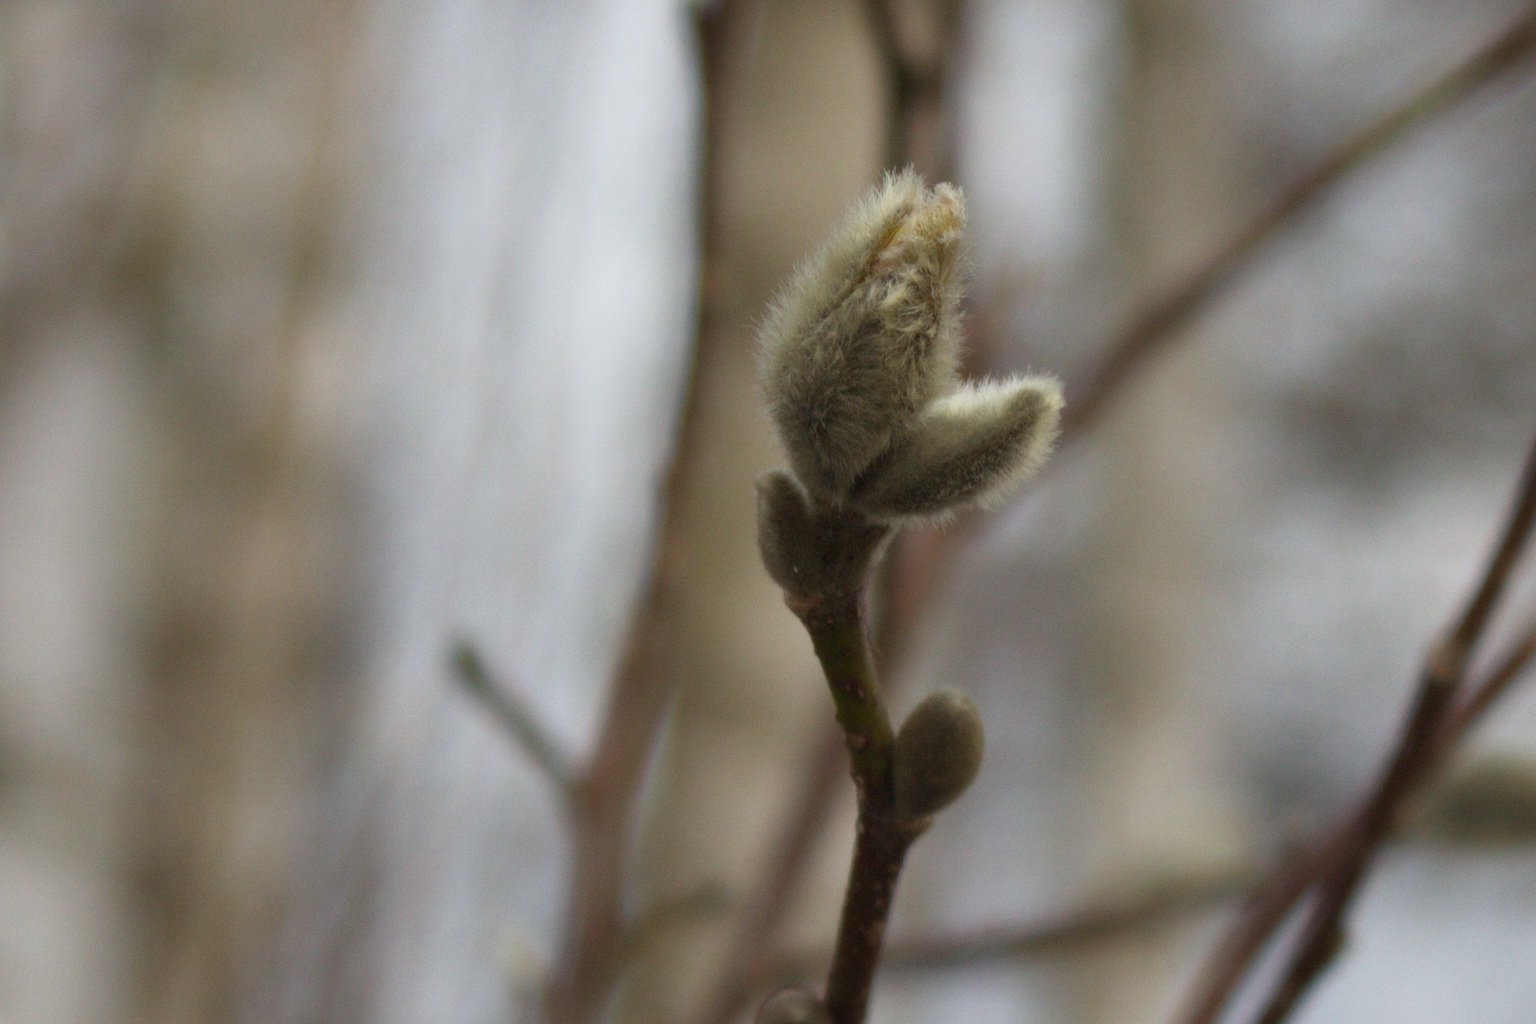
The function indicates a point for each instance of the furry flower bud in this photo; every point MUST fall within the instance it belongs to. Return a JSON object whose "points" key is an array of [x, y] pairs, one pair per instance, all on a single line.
{"points": [[859, 356], [938, 752], [866, 333], [968, 448]]}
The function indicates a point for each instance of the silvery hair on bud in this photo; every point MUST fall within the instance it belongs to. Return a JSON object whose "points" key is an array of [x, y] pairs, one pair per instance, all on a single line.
{"points": [[968, 448], [866, 333]]}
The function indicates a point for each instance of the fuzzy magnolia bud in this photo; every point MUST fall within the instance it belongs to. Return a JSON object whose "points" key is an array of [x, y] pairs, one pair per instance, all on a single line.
{"points": [[859, 355], [938, 752], [821, 552], [866, 333], [968, 448], [792, 1006]]}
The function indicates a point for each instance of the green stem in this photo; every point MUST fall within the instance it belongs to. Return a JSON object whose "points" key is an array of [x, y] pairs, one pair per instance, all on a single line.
{"points": [[836, 626]]}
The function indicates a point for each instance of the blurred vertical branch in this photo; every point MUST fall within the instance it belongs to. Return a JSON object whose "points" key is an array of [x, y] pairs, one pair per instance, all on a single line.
{"points": [[916, 78], [77, 82], [605, 792], [516, 719]]}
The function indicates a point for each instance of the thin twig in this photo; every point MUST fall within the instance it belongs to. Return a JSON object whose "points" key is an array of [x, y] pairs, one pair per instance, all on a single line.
{"points": [[879, 849], [1322, 935], [1064, 933], [1518, 523], [507, 706], [749, 962], [902, 77], [1485, 692], [1336, 866], [1417, 755], [836, 626], [1149, 331], [914, 85], [593, 931]]}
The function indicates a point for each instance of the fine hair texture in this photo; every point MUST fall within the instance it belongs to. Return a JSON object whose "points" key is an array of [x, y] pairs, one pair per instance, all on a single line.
{"points": [[859, 356]]}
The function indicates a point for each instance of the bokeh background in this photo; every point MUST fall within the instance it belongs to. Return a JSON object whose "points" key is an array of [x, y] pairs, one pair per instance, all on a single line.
{"points": [[332, 331]]}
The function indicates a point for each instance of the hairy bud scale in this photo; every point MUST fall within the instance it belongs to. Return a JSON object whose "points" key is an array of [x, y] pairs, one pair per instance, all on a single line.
{"points": [[859, 355]]}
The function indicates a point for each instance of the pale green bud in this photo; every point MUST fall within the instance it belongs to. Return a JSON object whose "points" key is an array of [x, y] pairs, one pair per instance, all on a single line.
{"points": [[938, 752], [792, 1006], [968, 448], [810, 551], [866, 332]]}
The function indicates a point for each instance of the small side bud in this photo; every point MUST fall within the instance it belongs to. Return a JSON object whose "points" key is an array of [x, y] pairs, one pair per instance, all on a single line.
{"points": [[968, 448], [786, 532], [813, 551], [938, 752], [792, 1006], [866, 332]]}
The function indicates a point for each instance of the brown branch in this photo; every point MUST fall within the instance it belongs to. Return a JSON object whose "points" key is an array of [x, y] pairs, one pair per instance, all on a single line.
{"points": [[1322, 935], [1516, 533], [1334, 868], [879, 850], [836, 626], [915, 86], [593, 931], [1483, 694], [749, 963], [1067, 932], [904, 81], [514, 716], [1434, 729], [1417, 755], [1150, 330]]}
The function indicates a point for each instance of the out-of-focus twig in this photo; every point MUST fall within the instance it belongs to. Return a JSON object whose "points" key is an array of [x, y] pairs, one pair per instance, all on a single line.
{"points": [[1454, 653], [1487, 690], [914, 85], [1150, 329], [1418, 753], [515, 718], [905, 80], [749, 964], [592, 944], [1359, 839], [1333, 869], [1064, 933]]}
